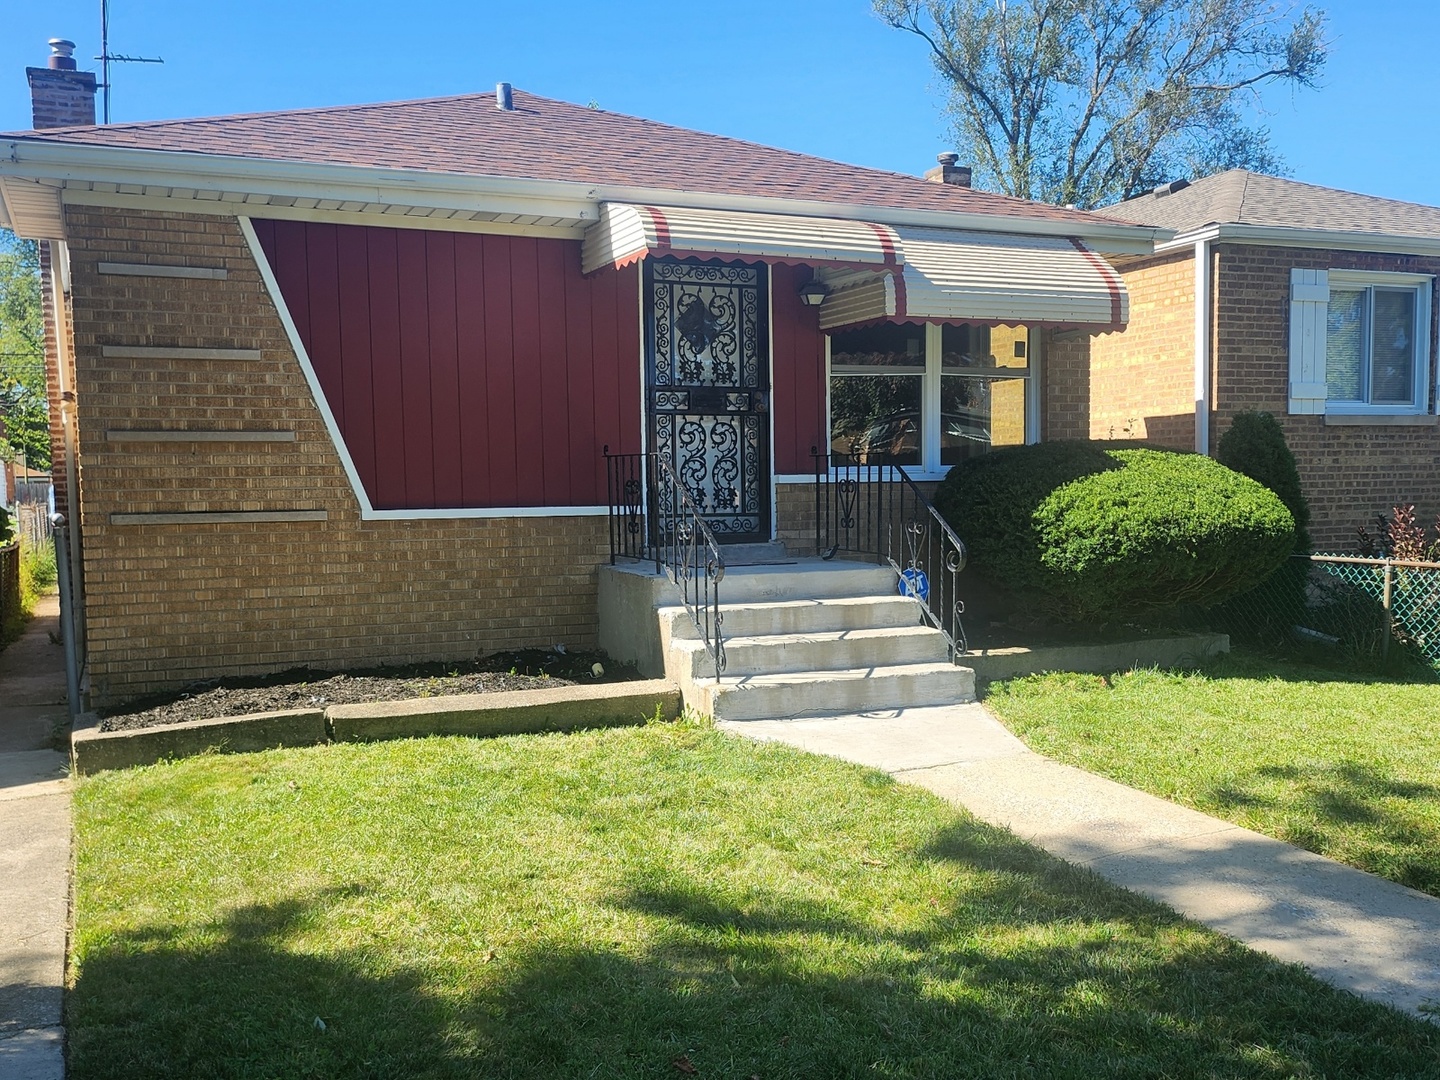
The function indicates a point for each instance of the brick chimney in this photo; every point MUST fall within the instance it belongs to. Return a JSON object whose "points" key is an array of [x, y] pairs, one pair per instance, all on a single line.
{"points": [[60, 96], [947, 172]]}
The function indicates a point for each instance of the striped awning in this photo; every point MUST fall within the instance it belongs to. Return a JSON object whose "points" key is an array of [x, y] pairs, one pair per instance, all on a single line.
{"points": [[880, 272], [627, 232], [951, 275]]}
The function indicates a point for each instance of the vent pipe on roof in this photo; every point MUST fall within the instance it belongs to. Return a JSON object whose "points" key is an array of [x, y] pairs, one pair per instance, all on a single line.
{"points": [[504, 98], [62, 55], [947, 172]]}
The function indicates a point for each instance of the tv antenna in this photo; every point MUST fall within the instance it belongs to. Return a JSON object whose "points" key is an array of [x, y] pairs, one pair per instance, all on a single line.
{"points": [[106, 57]]}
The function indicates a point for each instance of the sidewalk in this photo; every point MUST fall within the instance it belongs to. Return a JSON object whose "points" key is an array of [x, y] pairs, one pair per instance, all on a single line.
{"points": [[1357, 931], [34, 852]]}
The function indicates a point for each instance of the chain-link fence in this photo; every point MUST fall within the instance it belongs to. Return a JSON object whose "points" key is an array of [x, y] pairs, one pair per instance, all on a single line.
{"points": [[1382, 614]]}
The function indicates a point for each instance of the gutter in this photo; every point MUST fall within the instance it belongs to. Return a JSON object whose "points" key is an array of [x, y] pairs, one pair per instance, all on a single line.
{"points": [[40, 159], [1288, 236], [1203, 278]]}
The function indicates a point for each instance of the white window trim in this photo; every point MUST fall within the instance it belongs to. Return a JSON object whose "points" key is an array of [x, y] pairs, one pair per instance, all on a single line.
{"points": [[930, 467], [1424, 287]]}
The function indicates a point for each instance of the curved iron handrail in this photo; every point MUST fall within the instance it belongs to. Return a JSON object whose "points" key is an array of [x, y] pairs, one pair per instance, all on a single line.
{"points": [[654, 518], [860, 509]]}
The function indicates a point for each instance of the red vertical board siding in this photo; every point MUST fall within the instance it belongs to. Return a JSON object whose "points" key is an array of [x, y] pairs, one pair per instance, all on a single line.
{"points": [[580, 377], [465, 370], [799, 371], [357, 416], [500, 373], [525, 308], [604, 330], [626, 361], [554, 442], [444, 369], [387, 380], [470, 345], [415, 369], [324, 274]]}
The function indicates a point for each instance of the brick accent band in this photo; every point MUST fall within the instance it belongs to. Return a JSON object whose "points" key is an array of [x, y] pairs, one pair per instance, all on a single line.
{"points": [[219, 517], [151, 270], [169, 352], [133, 435]]}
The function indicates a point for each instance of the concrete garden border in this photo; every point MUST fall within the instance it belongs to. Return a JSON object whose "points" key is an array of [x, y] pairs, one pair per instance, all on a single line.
{"points": [[992, 665], [508, 713]]}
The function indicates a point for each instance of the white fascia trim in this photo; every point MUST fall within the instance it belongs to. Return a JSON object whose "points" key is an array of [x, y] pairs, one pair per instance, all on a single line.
{"points": [[1278, 236], [367, 511], [545, 198]]}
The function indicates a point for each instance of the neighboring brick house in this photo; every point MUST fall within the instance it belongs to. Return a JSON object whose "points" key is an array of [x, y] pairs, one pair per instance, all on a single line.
{"points": [[332, 385], [1315, 305]]}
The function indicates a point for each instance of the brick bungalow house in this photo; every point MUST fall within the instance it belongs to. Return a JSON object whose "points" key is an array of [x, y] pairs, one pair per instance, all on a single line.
{"points": [[1314, 304], [332, 385]]}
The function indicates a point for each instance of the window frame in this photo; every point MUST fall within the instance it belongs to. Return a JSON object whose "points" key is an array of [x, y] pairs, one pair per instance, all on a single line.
{"points": [[1423, 286], [930, 467]]}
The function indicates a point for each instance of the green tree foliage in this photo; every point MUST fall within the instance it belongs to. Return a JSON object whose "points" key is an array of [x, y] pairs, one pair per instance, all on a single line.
{"points": [[1094, 531], [22, 351], [1255, 445], [1090, 101]]}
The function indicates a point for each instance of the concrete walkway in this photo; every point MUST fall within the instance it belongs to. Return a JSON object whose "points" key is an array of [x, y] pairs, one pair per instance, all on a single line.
{"points": [[1360, 932], [34, 851]]}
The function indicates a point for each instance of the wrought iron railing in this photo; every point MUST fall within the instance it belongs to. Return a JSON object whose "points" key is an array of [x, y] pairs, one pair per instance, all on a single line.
{"points": [[878, 512], [654, 518]]}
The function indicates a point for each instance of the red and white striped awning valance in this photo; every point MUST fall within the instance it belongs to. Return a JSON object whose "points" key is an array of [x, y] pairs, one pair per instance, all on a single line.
{"points": [[629, 231], [880, 272], [952, 275]]}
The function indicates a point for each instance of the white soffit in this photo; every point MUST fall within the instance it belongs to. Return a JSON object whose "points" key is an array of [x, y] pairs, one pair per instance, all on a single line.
{"points": [[629, 231], [953, 275], [31, 209]]}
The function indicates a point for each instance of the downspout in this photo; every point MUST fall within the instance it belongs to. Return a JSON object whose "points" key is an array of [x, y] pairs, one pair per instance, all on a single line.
{"points": [[1202, 347], [59, 271]]}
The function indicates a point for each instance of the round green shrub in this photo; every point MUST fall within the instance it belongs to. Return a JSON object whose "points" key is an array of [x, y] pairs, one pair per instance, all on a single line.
{"points": [[1255, 445], [1099, 530]]}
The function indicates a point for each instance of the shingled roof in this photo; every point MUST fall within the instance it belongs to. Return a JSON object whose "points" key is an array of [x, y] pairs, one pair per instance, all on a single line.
{"points": [[548, 140], [1239, 197]]}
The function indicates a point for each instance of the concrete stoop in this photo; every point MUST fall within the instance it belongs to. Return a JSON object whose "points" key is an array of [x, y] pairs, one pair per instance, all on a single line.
{"points": [[806, 637]]}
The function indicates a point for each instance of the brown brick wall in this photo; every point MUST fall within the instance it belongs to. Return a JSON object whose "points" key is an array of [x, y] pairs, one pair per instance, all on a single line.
{"points": [[1349, 474], [1142, 381], [170, 604], [1065, 385]]}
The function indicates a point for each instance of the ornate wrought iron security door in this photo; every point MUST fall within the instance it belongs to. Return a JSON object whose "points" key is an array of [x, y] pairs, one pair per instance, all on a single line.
{"points": [[707, 384]]}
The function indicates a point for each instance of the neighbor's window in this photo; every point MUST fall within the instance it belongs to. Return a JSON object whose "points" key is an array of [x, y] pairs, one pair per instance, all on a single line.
{"points": [[927, 397], [1376, 343]]}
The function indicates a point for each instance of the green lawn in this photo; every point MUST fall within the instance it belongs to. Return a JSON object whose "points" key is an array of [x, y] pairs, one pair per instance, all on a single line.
{"points": [[1344, 765], [641, 903]]}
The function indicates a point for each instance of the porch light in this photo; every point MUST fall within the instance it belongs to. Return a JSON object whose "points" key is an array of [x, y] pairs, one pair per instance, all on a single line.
{"points": [[813, 293]]}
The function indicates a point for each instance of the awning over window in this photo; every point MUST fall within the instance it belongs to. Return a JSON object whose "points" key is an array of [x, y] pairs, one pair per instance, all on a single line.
{"points": [[980, 277], [627, 232], [879, 272]]}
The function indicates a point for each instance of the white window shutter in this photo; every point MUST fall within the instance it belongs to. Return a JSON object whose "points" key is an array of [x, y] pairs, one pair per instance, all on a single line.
{"points": [[1309, 301]]}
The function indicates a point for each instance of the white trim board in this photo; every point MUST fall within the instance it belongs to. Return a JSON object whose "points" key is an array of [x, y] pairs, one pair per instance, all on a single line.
{"points": [[1277, 236]]}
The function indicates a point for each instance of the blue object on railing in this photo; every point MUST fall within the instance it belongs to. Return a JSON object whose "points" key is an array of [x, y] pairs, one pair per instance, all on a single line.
{"points": [[914, 582]]}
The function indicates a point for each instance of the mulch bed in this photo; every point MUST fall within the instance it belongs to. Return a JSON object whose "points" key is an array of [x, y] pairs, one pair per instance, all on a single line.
{"points": [[303, 688]]}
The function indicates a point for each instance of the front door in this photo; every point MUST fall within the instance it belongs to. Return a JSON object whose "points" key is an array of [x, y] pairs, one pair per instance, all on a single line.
{"points": [[707, 388]]}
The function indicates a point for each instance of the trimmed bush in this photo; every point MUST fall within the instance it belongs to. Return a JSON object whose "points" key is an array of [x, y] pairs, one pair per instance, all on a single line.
{"points": [[1102, 530], [1255, 445]]}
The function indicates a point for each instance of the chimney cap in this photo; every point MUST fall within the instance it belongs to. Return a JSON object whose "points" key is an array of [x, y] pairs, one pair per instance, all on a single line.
{"points": [[949, 157], [62, 54]]}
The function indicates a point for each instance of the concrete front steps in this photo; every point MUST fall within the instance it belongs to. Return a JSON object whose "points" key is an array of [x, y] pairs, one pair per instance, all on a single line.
{"points": [[809, 637]]}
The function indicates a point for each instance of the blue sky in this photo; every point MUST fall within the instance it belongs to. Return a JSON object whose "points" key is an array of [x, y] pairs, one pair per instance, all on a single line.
{"points": [[822, 76]]}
